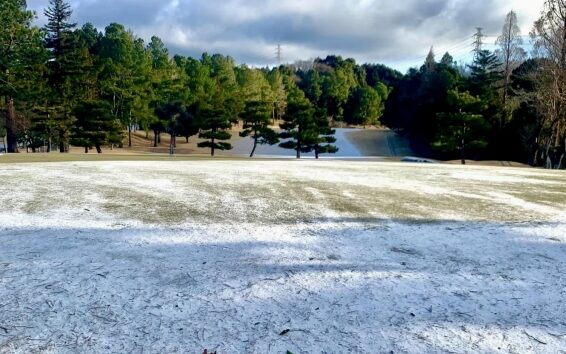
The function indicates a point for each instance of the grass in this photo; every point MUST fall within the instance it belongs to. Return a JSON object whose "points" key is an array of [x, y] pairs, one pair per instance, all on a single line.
{"points": [[74, 157], [278, 192], [346, 250]]}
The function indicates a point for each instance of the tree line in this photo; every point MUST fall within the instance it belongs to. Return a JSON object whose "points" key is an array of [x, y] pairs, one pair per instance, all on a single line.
{"points": [[505, 105], [68, 85]]}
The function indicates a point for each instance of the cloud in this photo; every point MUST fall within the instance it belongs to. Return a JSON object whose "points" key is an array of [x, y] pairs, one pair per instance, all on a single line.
{"points": [[398, 33]]}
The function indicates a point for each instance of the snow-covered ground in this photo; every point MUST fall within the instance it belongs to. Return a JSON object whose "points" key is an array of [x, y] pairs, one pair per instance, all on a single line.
{"points": [[269, 256]]}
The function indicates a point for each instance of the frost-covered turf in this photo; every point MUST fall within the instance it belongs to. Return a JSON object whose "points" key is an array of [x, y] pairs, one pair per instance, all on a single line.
{"points": [[269, 256]]}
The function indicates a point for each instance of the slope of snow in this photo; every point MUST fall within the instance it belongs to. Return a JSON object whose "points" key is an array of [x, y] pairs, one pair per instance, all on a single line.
{"points": [[270, 256]]}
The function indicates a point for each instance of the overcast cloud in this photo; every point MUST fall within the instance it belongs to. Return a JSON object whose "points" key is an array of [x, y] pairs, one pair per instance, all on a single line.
{"points": [[395, 32]]}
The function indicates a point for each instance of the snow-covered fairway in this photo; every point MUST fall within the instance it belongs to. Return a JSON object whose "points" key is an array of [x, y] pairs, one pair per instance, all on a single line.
{"points": [[269, 256]]}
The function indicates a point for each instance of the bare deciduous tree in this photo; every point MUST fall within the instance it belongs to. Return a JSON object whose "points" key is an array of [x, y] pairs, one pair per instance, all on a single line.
{"points": [[549, 38], [511, 54]]}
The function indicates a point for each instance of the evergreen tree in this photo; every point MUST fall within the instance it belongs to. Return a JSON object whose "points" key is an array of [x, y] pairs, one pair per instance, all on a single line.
{"points": [[127, 78], [337, 87], [140, 111], [168, 80], [171, 115], [366, 105], [253, 85], [63, 65], [485, 73], [188, 124], [485, 82], [95, 125], [462, 128], [321, 135], [58, 28], [214, 123], [200, 83], [276, 80], [21, 57], [43, 127], [313, 86], [226, 96], [527, 122], [447, 59], [158, 53], [256, 118], [298, 123], [379, 73]]}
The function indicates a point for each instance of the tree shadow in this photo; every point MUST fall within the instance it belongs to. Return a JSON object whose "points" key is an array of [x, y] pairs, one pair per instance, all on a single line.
{"points": [[344, 284]]}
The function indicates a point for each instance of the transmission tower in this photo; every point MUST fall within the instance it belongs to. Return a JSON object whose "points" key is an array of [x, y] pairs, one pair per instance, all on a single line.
{"points": [[478, 41], [278, 54]]}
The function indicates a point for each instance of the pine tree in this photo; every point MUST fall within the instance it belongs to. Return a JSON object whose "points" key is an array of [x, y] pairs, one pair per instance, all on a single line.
{"points": [[298, 123], [171, 115], [21, 54], [463, 128], [279, 94], [187, 124], [214, 122], [366, 105], [313, 86], [322, 138], [256, 118], [63, 66], [485, 73], [58, 27], [95, 125], [338, 84], [447, 59]]}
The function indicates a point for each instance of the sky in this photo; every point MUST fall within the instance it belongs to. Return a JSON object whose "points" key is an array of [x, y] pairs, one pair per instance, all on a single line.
{"points": [[398, 33]]}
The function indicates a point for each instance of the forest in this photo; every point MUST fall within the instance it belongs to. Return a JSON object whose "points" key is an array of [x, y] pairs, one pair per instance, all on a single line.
{"points": [[69, 84]]}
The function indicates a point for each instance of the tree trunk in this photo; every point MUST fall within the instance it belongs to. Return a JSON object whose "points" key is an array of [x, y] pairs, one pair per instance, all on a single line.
{"points": [[255, 146], [98, 149], [86, 149], [299, 143], [129, 135], [212, 148], [62, 145], [11, 137], [172, 144], [547, 156], [61, 142]]}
